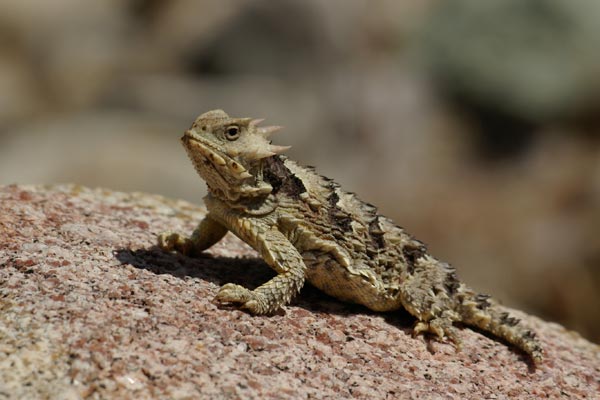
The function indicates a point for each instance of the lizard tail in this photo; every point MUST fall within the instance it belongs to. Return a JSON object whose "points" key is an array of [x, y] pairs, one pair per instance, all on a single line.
{"points": [[480, 311]]}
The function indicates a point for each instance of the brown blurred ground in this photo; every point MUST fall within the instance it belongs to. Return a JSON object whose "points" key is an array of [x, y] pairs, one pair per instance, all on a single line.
{"points": [[492, 160]]}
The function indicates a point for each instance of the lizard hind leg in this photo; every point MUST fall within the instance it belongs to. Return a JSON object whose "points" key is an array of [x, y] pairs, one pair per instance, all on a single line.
{"points": [[442, 327], [427, 292]]}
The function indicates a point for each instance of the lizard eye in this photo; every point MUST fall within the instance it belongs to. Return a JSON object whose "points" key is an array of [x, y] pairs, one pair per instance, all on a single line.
{"points": [[232, 132]]}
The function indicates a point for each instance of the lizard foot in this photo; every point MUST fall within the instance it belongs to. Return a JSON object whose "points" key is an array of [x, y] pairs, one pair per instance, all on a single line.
{"points": [[249, 300], [441, 327], [170, 241]]}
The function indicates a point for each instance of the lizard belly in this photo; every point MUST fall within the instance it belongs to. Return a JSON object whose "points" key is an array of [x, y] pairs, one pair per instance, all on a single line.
{"points": [[356, 285]]}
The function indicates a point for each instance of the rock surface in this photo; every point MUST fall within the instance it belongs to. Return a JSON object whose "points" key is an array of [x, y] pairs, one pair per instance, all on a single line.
{"points": [[90, 309], [114, 84]]}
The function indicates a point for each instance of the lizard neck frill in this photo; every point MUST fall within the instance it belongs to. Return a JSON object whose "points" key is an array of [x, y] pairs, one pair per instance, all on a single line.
{"points": [[254, 197], [255, 206]]}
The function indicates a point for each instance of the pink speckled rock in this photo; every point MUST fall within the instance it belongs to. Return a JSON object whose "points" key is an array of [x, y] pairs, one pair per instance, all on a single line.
{"points": [[90, 309]]}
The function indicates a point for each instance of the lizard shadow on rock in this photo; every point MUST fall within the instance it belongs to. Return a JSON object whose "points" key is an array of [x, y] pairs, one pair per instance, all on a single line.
{"points": [[253, 272], [250, 273]]}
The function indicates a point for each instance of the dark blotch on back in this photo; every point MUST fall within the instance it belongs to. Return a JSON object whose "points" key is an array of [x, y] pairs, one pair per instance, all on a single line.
{"points": [[411, 254], [337, 216], [530, 335], [341, 218], [376, 233], [451, 283], [281, 178], [506, 319], [482, 301], [333, 197]]}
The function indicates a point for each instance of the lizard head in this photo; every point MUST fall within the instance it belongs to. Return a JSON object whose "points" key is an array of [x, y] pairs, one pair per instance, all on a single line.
{"points": [[228, 153]]}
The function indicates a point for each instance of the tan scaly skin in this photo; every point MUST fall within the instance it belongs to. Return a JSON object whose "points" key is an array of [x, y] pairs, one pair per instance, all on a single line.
{"points": [[307, 228]]}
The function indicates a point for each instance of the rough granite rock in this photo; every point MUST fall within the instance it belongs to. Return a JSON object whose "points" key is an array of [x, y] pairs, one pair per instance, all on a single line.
{"points": [[89, 308]]}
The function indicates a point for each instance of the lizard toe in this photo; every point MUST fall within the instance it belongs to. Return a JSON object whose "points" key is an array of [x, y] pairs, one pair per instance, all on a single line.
{"points": [[441, 328], [166, 241], [232, 293], [171, 241], [249, 300], [254, 307]]}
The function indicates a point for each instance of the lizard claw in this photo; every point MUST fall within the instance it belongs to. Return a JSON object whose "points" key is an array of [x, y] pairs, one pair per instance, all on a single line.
{"points": [[441, 327], [232, 293], [171, 241]]}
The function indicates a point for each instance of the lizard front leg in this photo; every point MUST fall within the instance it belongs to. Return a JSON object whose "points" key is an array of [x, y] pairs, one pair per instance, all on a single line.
{"points": [[207, 233], [282, 256]]}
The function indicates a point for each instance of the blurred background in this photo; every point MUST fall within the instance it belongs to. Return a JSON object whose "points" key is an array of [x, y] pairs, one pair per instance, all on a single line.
{"points": [[473, 124]]}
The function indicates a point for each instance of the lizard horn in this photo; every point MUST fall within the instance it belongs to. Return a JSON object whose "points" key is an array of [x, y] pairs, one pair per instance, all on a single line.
{"points": [[270, 150], [242, 121], [278, 149], [267, 131]]}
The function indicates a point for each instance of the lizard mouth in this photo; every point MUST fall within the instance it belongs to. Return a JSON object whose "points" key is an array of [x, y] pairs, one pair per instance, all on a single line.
{"points": [[203, 152]]}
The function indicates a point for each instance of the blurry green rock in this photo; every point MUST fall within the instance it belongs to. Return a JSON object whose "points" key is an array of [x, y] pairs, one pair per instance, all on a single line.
{"points": [[532, 59]]}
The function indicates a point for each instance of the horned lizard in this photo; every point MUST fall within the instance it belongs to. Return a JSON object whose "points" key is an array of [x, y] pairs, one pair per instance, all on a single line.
{"points": [[308, 229]]}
